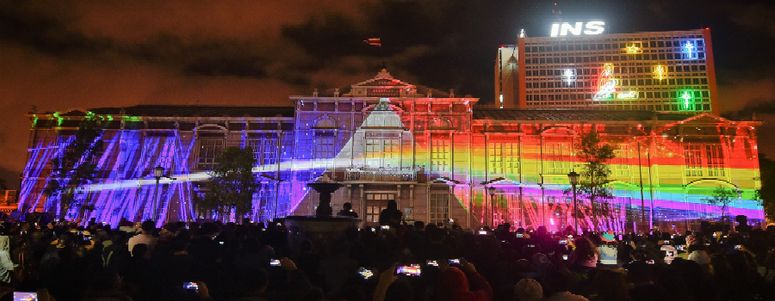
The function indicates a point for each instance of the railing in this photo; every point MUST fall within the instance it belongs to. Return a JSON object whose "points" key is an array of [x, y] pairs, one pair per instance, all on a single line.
{"points": [[381, 175], [8, 201]]}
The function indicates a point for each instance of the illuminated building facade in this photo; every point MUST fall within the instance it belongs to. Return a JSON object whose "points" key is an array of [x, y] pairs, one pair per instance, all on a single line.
{"points": [[670, 71], [437, 154]]}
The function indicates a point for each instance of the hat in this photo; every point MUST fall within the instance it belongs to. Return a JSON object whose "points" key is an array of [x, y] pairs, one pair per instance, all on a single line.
{"points": [[528, 289]]}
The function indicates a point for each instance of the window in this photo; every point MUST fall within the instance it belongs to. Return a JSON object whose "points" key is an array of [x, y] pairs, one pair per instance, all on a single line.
{"points": [[209, 151], [557, 158], [704, 160], [440, 154], [439, 210], [375, 203], [264, 149], [503, 159], [620, 167], [714, 160], [383, 150], [323, 150]]}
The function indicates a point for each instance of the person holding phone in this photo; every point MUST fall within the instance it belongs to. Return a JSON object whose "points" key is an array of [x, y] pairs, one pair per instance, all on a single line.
{"points": [[454, 284]]}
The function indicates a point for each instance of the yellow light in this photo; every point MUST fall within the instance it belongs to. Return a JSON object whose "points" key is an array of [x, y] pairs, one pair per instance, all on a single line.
{"points": [[633, 49], [660, 72]]}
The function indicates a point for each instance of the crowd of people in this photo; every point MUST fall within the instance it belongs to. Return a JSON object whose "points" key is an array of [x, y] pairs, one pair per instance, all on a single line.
{"points": [[251, 261]]}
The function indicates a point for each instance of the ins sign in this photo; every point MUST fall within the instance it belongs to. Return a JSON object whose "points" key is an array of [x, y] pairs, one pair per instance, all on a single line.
{"points": [[577, 28]]}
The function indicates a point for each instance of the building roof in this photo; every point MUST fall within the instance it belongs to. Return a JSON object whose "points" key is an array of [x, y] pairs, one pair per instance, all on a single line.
{"points": [[574, 115], [192, 111]]}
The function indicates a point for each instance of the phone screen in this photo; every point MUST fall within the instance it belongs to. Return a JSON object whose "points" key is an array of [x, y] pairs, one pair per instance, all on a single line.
{"points": [[454, 261], [482, 232], [191, 286], [411, 270], [274, 262], [365, 273], [25, 296], [432, 263]]}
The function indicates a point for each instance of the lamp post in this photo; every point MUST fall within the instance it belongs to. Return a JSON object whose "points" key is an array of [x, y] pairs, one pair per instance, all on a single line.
{"points": [[276, 193], [573, 177], [158, 172], [543, 202], [491, 190]]}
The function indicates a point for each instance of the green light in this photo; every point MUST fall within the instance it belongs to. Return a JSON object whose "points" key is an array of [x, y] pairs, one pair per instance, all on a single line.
{"points": [[686, 97], [59, 118], [34, 120], [110, 117], [131, 118]]}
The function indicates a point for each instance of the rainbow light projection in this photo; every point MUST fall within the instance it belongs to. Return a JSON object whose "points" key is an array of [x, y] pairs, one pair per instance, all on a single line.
{"points": [[658, 173]]}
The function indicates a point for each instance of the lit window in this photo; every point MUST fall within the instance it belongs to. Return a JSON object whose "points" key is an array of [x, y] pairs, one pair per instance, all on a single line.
{"points": [[439, 210]]}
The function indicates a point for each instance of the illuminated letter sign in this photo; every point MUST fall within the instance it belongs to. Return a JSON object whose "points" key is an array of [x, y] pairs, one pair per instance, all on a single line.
{"points": [[577, 28]]}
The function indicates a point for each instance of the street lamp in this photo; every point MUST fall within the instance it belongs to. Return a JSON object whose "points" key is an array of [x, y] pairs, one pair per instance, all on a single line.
{"points": [[491, 190], [573, 177], [276, 193], [158, 172]]}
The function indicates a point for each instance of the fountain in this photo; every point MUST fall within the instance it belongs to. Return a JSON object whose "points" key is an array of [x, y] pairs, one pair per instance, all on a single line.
{"points": [[323, 227]]}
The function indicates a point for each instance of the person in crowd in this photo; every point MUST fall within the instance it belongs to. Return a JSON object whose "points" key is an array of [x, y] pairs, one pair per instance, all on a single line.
{"points": [[144, 237], [390, 216], [347, 210], [528, 289], [245, 262], [464, 284]]}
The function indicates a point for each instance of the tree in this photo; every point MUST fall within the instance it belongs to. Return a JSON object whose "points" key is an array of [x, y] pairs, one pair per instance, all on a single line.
{"points": [[722, 197], [231, 185], [75, 165], [595, 174], [766, 194]]}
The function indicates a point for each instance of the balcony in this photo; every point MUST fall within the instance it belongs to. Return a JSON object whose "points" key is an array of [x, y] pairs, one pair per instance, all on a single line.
{"points": [[390, 175]]}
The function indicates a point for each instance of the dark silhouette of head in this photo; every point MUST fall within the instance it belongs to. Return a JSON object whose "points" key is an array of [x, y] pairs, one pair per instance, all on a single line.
{"points": [[392, 205]]}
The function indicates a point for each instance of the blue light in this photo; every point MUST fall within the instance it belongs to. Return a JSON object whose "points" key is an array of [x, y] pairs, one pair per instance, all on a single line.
{"points": [[689, 49]]}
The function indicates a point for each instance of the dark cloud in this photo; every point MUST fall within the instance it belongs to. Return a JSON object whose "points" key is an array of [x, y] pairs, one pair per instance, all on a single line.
{"points": [[80, 54]]}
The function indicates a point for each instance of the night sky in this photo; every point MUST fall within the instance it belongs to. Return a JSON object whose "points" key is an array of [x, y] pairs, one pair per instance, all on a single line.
{"points": [[62, 55]]}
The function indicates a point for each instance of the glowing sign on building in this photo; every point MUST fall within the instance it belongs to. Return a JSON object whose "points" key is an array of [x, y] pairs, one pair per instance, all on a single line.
{"points": [[577, 28], [686, 97], [660, 72], [633, 49], [606, 84], [568, 76], [689, 49], [627, 95]]}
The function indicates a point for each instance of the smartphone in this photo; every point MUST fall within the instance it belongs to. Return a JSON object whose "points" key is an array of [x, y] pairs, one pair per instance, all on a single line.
{"points": [[482, 232], [410, 270], [563, 242], [274, 262], [520, 235], [221, 242], [564, 256], [738, 247], [191, 286], [665, 242], [432, 263], [454, 261], [650, 261], [531, 246], [365, 273], [25, 296], [384, 227], [679, 247]]}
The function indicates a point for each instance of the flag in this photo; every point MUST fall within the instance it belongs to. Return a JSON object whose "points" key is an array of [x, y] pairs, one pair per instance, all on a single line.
{"points": [[377, 42]]}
